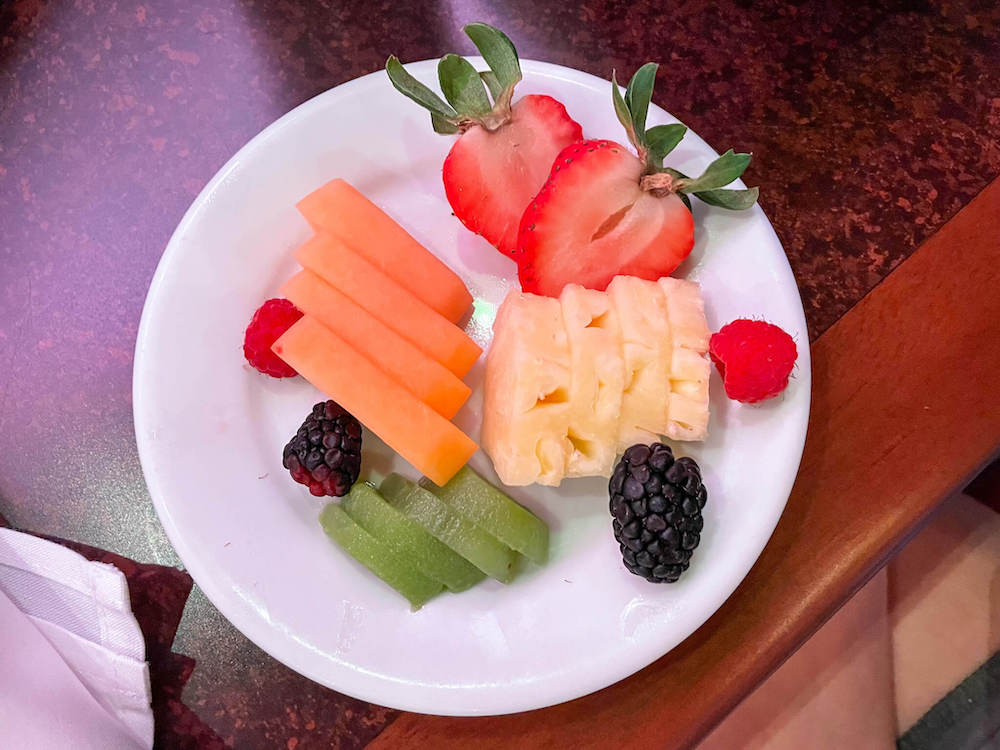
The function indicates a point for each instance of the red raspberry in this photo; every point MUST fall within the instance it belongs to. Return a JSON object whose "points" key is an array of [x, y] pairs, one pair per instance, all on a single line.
{"points": [[271, 320], [754, 359]]}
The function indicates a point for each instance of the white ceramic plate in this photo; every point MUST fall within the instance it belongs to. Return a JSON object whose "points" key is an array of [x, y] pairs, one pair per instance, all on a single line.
{"points": [[210, 430]]}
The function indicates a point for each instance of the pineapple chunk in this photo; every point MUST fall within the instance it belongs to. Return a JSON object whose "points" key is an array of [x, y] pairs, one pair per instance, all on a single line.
{"points": [[687, 409], [642, 314], [597, 382], [689, 365], [526, 395], [572, 382], [686, 312]]}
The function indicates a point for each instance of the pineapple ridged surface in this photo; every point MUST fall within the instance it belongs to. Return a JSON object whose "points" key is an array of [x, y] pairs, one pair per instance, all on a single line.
{"points": [[574, 381]]}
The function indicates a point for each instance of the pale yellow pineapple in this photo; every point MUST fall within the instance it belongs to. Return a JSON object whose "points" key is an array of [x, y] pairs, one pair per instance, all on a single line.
{"points": [[526, 393], [686, 312], [687, 411], [688, 408], [570, 383], [597, 381], [646, 349]]}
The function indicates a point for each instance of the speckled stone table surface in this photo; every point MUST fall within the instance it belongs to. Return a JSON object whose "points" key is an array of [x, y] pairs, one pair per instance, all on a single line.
{"points": [[871, 124]]}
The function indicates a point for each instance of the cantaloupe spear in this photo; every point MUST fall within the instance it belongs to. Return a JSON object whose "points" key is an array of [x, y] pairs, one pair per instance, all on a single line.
{"points": [[424, 377], [340, 266], [431, 443], [339, 209]]}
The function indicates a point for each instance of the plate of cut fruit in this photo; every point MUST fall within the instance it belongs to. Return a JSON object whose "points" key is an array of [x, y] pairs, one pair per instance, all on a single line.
{"points": [[475, 415]]}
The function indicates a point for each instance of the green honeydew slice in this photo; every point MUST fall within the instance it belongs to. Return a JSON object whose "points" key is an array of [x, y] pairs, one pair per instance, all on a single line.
{"points": [[379, 558], [388, 525], [473, 497], [475, 545]]}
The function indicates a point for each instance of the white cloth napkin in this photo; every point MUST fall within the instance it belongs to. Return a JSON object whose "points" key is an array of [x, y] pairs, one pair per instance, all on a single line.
{"points": [[72, 658]]}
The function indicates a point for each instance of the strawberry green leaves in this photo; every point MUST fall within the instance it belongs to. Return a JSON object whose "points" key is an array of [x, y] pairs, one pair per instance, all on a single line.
{"points": [[410, 87], [492, 83], [443, 126], [462, 86], [638, 95], [719, 173], [727, 164], [662, 139], [734, 200], [467, 90], [654, 144], [498, 52], [623, 113]]}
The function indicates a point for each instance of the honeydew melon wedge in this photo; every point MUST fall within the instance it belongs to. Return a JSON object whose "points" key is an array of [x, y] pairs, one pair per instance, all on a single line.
{"points": [[380, 558], [464, 537], [387, 524], [473, 497]]}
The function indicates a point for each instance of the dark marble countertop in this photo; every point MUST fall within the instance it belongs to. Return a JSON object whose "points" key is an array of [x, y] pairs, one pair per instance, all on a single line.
{"points": [[871, 124]]}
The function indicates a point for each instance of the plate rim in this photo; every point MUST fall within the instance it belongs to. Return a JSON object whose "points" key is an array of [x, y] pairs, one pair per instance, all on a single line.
{"points": [[431, 704]]}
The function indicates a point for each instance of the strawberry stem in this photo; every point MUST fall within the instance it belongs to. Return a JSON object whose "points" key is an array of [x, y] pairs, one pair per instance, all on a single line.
{"points": [[468, 92], [658, 183], [654, 144]]}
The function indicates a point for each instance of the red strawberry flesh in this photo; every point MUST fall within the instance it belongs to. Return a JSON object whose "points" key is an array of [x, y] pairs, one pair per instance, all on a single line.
{"points": [[490, 176], [592, 221]]}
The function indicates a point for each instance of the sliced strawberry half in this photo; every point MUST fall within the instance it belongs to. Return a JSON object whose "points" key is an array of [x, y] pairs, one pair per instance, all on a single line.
{"points": [[606, 211], [490, 175], [592, 221], [504, 151]]}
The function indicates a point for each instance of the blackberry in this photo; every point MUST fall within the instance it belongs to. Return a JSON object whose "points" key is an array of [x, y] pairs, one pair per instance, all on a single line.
{"points": [[656, 502], [325, 454]]}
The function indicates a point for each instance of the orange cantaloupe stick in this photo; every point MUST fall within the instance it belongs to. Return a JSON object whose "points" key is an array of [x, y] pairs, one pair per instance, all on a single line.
{"points": [[425, 378], [340, 209], [338, 265], [435, 447]]}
